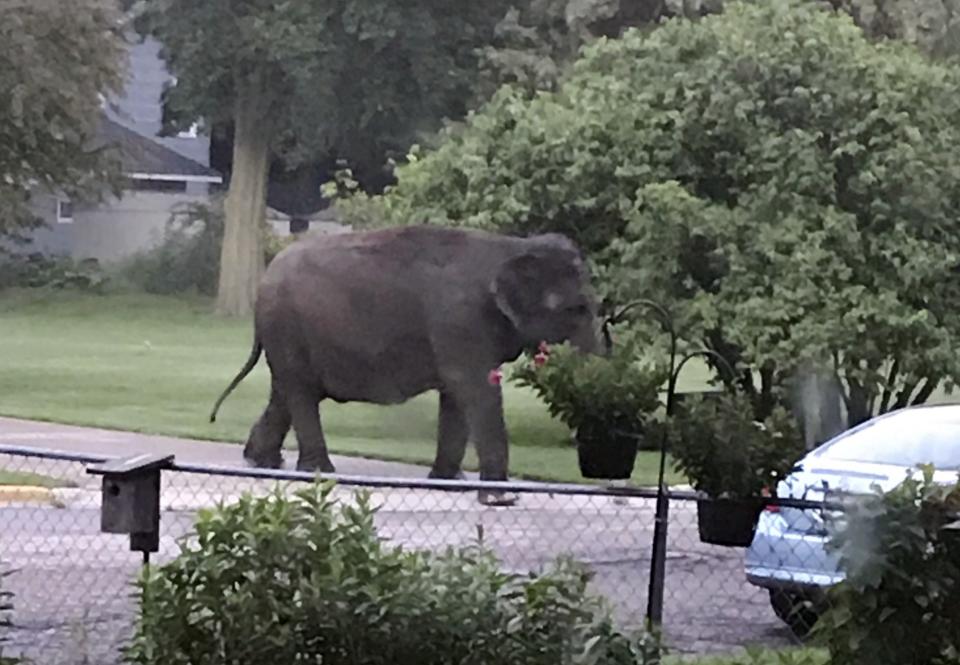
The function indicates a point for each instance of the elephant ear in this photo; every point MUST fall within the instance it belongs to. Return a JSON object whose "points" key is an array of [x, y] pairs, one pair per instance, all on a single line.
{"points": [[520, 288]]}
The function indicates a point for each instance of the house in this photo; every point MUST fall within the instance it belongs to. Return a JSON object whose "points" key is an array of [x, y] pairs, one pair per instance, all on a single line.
{"points": [[161, 174]]}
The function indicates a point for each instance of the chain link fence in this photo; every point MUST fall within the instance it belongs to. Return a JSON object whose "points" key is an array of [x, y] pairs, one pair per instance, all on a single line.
{"points": [[74, 603]]}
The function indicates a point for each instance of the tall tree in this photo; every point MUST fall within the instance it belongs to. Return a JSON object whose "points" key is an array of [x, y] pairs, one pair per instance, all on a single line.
{"points": [[56, 59], [307, 77]]}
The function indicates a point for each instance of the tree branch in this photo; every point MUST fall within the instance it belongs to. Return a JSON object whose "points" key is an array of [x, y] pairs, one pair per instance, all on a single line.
{"points": [[857, 404], [888, 389], [903, 397], [929, 386]]}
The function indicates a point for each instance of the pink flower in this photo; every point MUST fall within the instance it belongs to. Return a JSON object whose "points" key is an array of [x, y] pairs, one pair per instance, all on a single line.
{"points": [[540, 359], [544, 348], [495, 376]]}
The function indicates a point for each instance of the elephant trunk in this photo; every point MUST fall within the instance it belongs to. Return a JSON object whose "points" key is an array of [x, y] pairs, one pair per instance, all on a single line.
{"points": [[586, 338]]}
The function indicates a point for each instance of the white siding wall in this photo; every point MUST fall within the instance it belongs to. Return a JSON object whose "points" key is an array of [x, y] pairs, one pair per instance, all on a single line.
{"points": [[111, 231]]}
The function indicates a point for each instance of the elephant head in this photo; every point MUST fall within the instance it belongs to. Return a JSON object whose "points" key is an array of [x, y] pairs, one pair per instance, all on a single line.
{"points": [[545, 293]]}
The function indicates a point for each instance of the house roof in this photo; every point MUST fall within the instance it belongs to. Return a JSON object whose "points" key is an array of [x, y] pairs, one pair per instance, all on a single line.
{"points": [[141, 156]]}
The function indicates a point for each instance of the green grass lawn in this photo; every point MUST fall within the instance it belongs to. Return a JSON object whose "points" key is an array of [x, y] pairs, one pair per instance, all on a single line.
{"points": [[32, 479], [156, 364]]}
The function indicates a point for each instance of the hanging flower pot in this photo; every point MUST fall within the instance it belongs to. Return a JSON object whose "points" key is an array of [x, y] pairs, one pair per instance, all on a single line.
{"points": [[609, 457], [728, 522], [731, 459]]}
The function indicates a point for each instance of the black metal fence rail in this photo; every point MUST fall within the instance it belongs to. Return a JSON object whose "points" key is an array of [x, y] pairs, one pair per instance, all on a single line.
{"points": [[74, 602]]}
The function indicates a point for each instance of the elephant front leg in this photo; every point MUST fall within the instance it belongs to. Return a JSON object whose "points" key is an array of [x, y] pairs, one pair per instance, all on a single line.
{"points": [[489, 433], [267, 434], [452, 435]]}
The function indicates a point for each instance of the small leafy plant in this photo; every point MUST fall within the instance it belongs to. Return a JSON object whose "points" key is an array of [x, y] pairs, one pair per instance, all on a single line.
{"points": [[36, 270], [898, 603], [6, 608], [755, 656], [726, 453], [600, 398], [187, 258], [307, 579]]}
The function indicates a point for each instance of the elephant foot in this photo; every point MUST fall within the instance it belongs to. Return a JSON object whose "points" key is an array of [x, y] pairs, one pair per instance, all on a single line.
{"points": [[497, 498], [264, 462], [446, 475], [322, 466]]}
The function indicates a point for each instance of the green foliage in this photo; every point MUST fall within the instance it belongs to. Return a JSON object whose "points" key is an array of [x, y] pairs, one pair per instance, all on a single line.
{"points": [[932, 25], [37, 270], [536, 42], [343, 78], [608, 398], [55, 58], [901, 555], [187, 259], [726, 452], [786, 184], [755, 656], [6, 608], [307, 579]]}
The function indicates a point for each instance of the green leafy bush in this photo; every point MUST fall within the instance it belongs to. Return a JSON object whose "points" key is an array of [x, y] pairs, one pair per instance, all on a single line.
{"points": [[187, 260], [787, 185], [188, 257], [900, 601], [306, 579], [754, 656], [726, 453], [36, 270], [599, 397], [6, 607]]}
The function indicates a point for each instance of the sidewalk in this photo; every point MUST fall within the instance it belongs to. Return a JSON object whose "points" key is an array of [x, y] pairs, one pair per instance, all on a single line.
{"points": [[15, 432]]}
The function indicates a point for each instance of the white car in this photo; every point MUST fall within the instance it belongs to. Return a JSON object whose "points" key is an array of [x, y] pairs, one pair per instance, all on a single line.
{"points": [[787, 555]]}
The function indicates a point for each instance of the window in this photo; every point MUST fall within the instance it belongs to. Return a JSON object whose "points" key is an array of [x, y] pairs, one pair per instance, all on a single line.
{"points": [[64, 211]]}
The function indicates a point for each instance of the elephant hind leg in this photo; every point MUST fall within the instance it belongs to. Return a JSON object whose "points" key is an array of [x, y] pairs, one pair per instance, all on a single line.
{"points": [[266, 436], [452, 435], [303, 403]]}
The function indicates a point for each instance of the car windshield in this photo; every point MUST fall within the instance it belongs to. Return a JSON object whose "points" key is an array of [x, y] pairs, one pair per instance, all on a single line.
{"points": [[922, 436]]}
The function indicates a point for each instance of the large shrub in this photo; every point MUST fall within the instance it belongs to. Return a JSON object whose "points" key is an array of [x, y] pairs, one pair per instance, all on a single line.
{"points": [[306, 579], [786, 185], [898, 604]]}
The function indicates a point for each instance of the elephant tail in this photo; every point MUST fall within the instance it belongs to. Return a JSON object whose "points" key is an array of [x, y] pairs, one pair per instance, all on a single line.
{"points": [[250, 364]]}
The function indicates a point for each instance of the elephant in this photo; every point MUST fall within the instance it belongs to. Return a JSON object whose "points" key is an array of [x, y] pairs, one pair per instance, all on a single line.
{"points": [[384, 315]]}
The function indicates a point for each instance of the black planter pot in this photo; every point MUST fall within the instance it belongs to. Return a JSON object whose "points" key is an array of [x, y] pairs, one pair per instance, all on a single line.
{"points": [[728, 522], [607, 458]]}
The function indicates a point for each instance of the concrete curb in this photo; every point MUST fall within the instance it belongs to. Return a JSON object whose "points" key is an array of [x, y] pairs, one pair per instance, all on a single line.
{"points": [[27, 494]]}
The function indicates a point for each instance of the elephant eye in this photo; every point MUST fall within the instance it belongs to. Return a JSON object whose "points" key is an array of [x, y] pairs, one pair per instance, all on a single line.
{"points": [[579, 310]]}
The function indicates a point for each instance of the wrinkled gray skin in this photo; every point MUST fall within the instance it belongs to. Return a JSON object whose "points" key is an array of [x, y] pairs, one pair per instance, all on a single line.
{"points": [[385, 315]]}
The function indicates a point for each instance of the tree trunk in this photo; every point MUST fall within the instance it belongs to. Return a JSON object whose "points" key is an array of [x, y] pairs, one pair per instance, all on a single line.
{"points": [[241, 256]]}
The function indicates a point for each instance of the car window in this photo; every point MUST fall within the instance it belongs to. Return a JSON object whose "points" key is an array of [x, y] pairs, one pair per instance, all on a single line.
{"points": [[903, 441]]}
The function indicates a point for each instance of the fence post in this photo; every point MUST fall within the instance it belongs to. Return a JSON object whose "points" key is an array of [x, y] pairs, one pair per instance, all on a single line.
{"points": [[658, 559]]}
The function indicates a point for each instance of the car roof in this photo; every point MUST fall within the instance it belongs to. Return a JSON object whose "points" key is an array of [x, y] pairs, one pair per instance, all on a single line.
{"points": [[946, 414]]}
